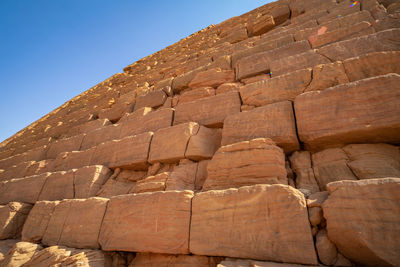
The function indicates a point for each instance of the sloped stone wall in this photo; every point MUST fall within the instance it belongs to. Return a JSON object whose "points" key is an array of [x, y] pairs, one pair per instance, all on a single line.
{"points": [[270, 139]]}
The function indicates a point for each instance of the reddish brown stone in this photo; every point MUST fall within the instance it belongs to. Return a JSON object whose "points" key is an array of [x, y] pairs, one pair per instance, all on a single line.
{"points": [[212, 78], [153, 99], [65, 145], [260, 25], [101, 135], [194, 94]]}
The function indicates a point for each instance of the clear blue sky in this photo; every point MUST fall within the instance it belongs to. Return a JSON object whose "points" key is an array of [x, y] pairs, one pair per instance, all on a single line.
{"points": [[52, 50]]}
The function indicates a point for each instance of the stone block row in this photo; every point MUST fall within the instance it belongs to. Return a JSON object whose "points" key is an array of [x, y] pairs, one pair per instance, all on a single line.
{"points": [[75, 183]]}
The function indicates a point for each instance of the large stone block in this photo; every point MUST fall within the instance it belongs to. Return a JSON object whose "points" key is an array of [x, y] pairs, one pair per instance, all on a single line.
{"points": [[25, 190], [197, 93], [65, 145], [301, 165], [88, 180], [280, 88], [262, 62], [258, 161], [275, 121], [149, 222], [372, 64], [12, 219], [36, 224], [76, 223], [129, 152], [248, 223], [20, 253], [209, 111], [153, 99], [212, 78], [164, 260], [147, 122], [350, 113], [101, 135], [363, 220], [58, 185], [388, 40], [204, 144], [169, 144], [260, 24]]}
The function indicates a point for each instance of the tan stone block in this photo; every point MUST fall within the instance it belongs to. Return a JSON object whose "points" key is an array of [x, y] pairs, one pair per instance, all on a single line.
{"points": [[225, 222], [149, 122], [153, 99], [260, 25], [159, 223], [263, 62], [164, 260], [88, 127], [280, 88], [258, 161], [70, 160], [25, 190], [201, 174], [197, 93], [212, 78], [372, 64], [101, 135], [12, 219], [387, 40], [65, 145], [363, 220], [115, 188], [327, 252], [76, 223], [327, 75], [58, 185], [183, 177], [204, 144], [301, 165], [36, 224], [350, 113], [227, 87], [209, 111], [151, 183], [20, 253], [17, 171], [261, 122], [169, 144], [88, 180]]}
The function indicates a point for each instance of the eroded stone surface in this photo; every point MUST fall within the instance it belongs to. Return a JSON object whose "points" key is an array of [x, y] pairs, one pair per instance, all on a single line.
{"points": [[12, 219]]}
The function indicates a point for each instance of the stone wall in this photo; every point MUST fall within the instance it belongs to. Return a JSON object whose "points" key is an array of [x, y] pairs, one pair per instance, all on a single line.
{"points": [[270, 139]]}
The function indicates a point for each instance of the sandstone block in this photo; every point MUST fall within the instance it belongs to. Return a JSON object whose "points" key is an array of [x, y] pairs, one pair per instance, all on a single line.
{"points": [[260, 25], [296, 62], [209, 111], [153, 99], [58, 185], [101, 135], [24, 190], [65, 145], [331, 165], [301, 165], [194, 94], [372, 64], [258, 161], [152, 183], [149, 122], [36, 224], [12, 219], [20, 253], [129, 152], [387, 40], [262, 122], [88, 180], [350, 113], [157, 222], [373, 160], [17, 171], [5, 246], [212, 78], [327, 75], [227, 87], [326, 250], [262, 62], [76, 223], [183, 177], [363, 220], [70, 160], [115, 187], [280, 88], [225, 222], [201, 174], [204, 144], [169, 144], [88, 127]]}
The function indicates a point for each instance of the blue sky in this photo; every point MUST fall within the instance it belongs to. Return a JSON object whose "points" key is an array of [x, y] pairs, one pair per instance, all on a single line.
{"points": [[52, 50]]}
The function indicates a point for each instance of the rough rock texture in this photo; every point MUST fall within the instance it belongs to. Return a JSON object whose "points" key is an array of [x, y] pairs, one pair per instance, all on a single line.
{"points": [[363, 220], [88, 180], [161, 222], [248, 223], [76, 223], [258, 161], [275, 121], [350, 113], [12, 219], [164, 260], [5, 246], [20, 253]]}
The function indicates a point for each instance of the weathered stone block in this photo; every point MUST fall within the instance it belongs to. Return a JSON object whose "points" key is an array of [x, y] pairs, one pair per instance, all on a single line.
{"points": [[372, 64], [71, 160], [101, 135], [25, 190], [58, 185], [226, 222], [363, 220], [156, 222], [76, 223], [275, 121], [151, 183], [258, 161], [65, 145], [147, 122], [209, 111], [260, 25], [350, 113], [169, 144], [212, 78], [197, 93], [204, 144], [88, 180], [12, 219], [280, 88], [326, 76], [164, 260], [153, 99]]}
